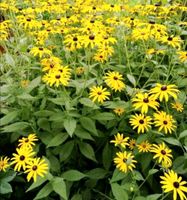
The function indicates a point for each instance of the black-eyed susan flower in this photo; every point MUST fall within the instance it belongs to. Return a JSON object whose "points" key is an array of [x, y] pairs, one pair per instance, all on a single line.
{"points": [[132, 144], [140, 121], [51, 63], [125, 161], [144, 101], [164, 91], [4, 163], [171, 182], [23, 156], [28, 141], [79, 70], [99, 93], [145, 146], [72, 42], [182, 56], [120, 140], [40, 51], [36, 167], [161, 153], [175, 42], [114, 80], [177, 106], [119, 111], [164, 121]]}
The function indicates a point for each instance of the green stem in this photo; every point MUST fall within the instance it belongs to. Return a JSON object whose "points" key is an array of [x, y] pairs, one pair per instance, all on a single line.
{"points": [[102, 194]]}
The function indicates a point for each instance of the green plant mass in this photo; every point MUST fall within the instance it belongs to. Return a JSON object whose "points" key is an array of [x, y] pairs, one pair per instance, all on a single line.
{"points": [[93, 100]]}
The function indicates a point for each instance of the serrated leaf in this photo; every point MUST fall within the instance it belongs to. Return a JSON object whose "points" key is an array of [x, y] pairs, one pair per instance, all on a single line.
{"points": [[87, 150], [16, 127], [104, 116], [81, 133], [183, 134], [89, 125], [172, 141], [44, 192], [152, 171], [57, 140], [118, 192], [59, 187], [73, 175], [39, 181], [8, 118], [70, 125], [97, 173]]}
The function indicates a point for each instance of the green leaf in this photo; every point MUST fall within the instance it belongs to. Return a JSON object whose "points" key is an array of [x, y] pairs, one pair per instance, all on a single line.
{"points": [[87, 102], [44, 192], [137, 176], [183, 134], [131, 79], [152, 171], [171, 140], [44, 124], [107, 156], [26, 97], [97, 173], [104, 116], [7, 176], [59, 187], [18, 126], [77, 197], [118, 192], [81, 133], [9, 60], [44, 113], [117, 175], [57, 140], [89, 125], [153, 196], [8, 118], [73, 175], [5, 188], [39, 181], [33, 84], [70, 125], [87, 150], [66, 150]]}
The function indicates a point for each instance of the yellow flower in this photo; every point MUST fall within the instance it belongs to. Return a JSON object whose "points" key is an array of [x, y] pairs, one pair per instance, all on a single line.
{"points": [[22, 158], [119, 111], [98, 93], [142, 122], [114, 81], [4, 163], [27, 141], [51, 63], [120, 140], [36, 167], [162, 153], [24, 83], [172, 41], [145, 146], [144, 101], [80, 70], [72, 42], [132, 144], [164, 91], [178, 106], [60, 76], [164, 121], [172, 183], [182, 56], [125, 161], [40, 51]]}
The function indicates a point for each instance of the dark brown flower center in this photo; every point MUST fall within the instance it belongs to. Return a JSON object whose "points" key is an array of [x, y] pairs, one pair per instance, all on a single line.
{"points": [[146, 100], [163, 152], [165, 122], [141, 121], [115, 78], [91, 37], [111, 6], [164, 87], [94, 8], [22, 157], [100, 56], [75, 39], [170, 38], [40, 48], [57, 76], [28, 19], [51, 65], [151, 22], [27, 140], [99, 93], [92, 21], [34, 168], [124, 160], [176, 184]]}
